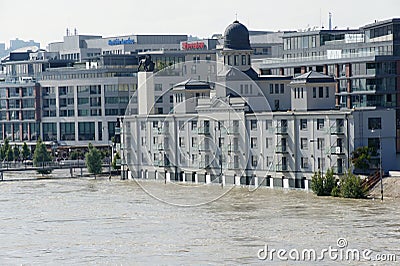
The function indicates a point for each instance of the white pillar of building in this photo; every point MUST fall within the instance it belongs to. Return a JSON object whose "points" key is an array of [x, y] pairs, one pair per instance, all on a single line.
{"points": [[145, 93], [208, 178], [223, 180], [256, 181], [285, 183], [196, 178], [237, 180], [183, 177], [168, 177], [306, 184]]}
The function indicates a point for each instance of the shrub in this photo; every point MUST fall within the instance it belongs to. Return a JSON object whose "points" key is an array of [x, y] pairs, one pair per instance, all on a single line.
{"points": [[351, 187], [323, 185]]}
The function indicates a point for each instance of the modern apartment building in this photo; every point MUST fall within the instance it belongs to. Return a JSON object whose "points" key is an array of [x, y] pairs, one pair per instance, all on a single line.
{"points": [[365, 61]]}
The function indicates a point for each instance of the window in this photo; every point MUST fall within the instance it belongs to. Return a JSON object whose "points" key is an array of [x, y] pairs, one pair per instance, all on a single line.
{"points": [[254, 160], [243, 60], [320, 143], [86, 130], [181, 142], [271, 88], [374, 123], [314, 92], [303, 124], [194, 125], [49, 131], [327, 92], [253, 143], [374, 143], [253, 124], [268, 142], [67, 131], [282, 88], [276, 88], [268, 124], [320, 124], [304, 162], [194, 142], [158, 87], [321, 92], [304, 144], [236, 60]]}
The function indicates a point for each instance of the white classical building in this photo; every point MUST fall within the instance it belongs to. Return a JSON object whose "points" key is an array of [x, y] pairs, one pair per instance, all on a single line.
{"points": [[230, 125]]}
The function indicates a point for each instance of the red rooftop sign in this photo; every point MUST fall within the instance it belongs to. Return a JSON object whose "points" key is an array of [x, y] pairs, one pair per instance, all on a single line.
{"points": [[193, 45]]}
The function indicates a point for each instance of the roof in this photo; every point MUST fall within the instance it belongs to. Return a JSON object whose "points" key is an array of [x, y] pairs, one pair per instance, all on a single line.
{"points": [[191, 84], [312, 77]]}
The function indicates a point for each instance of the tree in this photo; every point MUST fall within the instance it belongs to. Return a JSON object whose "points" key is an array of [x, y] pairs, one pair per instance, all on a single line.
{"points": [[116, 158], [16, 152], [351, 186], [25, 152], [93, 160], [4, 149], [41, 156], [361, 157], [323, 185], [9, 154]]}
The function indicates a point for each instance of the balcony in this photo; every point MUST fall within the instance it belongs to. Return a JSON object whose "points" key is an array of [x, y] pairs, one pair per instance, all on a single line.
{"points": [[336, 150], [160, 131], [338, 170], [281, 149], [281, 130], [337, 130], [281, 168], [162, 163], [162, 147], [234, 166], [203, 131], [231, 130]]}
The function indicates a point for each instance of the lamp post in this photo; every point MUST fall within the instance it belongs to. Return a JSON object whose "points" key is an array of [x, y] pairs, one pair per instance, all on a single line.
{"points": [[380, 160]]}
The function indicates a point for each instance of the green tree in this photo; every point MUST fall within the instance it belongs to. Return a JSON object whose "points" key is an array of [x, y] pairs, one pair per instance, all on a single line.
{"points": [[4, 149], [93, 160], [351, 186], [9, 154], [16, 152], [41, 156], [323, 185], [25, 152], [361, 157]]}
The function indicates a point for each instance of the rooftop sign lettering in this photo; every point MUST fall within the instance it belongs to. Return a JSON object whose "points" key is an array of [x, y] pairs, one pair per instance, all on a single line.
{"points": [[193, 45], [120, 41]]}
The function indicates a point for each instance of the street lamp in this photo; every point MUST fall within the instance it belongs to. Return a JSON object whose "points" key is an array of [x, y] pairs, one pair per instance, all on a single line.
{"points": [[319, 141], [380, 160]]}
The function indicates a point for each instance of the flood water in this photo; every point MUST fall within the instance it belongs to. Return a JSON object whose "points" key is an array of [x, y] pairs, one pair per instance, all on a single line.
{"points": [[86, 221]]}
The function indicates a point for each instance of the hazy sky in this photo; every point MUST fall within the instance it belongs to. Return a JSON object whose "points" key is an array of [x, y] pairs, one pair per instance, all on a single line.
{"points": [[46, 20]]}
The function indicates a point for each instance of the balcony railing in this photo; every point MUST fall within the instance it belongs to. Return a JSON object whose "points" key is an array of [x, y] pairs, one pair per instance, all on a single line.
{"points": [[337, 130], [160, 131], [281, 168], [203, 131], [336, 150], [281, 149], [281, 130]]}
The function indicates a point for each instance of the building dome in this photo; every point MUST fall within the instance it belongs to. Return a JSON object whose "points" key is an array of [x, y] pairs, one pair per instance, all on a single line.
{"points": [[236, 37]]}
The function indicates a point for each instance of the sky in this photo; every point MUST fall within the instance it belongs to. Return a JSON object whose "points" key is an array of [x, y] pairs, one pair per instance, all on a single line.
{"points": [[46, 21]]}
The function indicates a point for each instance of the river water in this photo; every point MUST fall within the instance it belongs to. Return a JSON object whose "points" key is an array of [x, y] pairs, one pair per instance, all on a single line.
{"points": [[86, 221]]}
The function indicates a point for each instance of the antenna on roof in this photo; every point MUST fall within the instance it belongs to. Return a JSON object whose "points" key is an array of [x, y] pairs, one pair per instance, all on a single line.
{"points": [[330, 21], [75, 31], [67, 32], [236, 16]]}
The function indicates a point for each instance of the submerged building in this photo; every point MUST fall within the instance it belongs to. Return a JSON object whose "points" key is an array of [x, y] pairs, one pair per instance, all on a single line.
{"points": [[228, 124]]}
